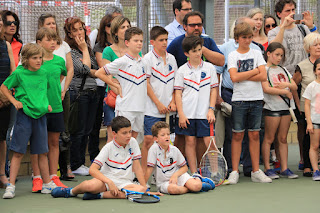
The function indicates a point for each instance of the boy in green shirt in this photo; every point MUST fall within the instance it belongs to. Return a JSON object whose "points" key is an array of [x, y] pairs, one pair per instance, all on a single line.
{"points": [[30, 83], [56, 69]]}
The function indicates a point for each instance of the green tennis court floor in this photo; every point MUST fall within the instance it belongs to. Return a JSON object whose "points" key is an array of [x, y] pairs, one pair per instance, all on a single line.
{"points": [[283, 195]]}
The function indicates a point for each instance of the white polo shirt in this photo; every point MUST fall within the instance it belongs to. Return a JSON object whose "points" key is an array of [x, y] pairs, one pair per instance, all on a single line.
{"points": [[132, 78], [167, 165], [161, 80], [196, 84], [116, 161]]}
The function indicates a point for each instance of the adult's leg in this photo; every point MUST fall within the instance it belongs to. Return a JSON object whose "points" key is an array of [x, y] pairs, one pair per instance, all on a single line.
{"points": [[306, 148]]}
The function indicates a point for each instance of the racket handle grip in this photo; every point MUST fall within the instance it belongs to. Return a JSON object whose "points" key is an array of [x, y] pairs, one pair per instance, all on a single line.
{"points": [[168, 118], [294, 119], [211, 129]]}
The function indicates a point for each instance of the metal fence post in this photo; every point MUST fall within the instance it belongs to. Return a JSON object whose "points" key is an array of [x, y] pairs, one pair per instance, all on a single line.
{"points": [[142, 22], [257, 3]]}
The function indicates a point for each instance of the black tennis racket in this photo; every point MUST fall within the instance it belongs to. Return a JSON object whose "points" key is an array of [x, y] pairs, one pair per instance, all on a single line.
{"points": [[282, 77], [213, 164], [140, 197]]}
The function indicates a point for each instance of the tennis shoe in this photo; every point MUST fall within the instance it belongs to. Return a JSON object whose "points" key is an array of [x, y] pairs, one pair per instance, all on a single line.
{"points": [[48, 187], [57, 181], [10, 192], [260, 177], [61, 192], [288, 174], [233, 177], [210, 181], [37, 184], [205, 187], [90, 196], [82, 170], [316, 175], [271, 174]]}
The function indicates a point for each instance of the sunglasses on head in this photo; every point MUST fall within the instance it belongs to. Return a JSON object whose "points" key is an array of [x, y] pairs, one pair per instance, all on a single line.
{"points": [[8, 23], [273, 26], [194, 25]]}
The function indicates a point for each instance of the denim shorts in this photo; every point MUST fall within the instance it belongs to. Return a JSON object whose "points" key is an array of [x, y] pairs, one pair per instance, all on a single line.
{"points": [[108, 114], [197, 127], [246, 115], [275, 113], [27, 128], [55, 122]]}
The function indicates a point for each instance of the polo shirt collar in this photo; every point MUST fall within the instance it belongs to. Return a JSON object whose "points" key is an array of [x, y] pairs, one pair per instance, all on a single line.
{"points": [[200, 65], [133, 58], [157, 55], [162, 148], [116, 143]]}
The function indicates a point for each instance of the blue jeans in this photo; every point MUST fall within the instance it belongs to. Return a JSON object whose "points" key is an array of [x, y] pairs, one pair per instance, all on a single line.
{"points": [[88, 104], [226, 95]]}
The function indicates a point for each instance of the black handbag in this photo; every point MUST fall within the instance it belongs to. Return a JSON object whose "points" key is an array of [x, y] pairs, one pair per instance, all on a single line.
{"points": [[74, 110]]}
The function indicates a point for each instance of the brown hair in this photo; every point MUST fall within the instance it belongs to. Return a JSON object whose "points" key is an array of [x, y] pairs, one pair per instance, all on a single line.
{"points": [[158, 126], [43, 32], [102, 34], [28, 51], [69, 26], [157, 31], [191, 42], [131, 32], [43, 18], [115, 25], [242, 29]]}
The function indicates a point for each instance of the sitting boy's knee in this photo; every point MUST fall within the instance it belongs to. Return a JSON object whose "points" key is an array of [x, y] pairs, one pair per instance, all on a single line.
{"points": [[174, 190]]}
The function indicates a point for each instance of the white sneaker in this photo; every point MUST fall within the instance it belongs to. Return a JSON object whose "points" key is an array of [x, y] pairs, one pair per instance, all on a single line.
{"points": [[48, 187], [233, 177], [260, 177], [10, 192], [82, 170]]}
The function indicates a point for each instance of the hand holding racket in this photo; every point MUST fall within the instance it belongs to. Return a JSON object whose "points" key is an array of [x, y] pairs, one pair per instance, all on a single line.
{"points": [[140, 197], [213, 164]]}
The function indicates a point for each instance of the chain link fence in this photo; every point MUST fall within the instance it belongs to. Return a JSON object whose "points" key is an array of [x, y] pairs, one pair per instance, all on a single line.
{"points": [[150, 12]]}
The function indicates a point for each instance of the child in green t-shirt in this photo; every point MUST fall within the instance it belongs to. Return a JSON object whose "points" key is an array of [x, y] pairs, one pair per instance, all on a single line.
{"points": [[56, 70], [30, 82]]}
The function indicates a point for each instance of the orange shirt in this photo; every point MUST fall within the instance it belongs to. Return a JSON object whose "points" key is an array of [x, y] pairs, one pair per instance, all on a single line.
{"points": [[16, 48]]}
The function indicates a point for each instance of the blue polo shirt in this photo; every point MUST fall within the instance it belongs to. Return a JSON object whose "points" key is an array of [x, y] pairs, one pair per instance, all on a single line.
{"points": [[175, 48]]}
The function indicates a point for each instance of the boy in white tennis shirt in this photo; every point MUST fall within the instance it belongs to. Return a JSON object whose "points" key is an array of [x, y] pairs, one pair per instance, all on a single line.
{"points": [[129, 70], [196, 88], [161, 68], [113, 168], [170, 165]]}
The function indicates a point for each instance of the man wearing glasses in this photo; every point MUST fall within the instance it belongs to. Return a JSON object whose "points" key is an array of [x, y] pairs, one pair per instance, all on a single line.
{"points": [[192, 23], [175, 28]]}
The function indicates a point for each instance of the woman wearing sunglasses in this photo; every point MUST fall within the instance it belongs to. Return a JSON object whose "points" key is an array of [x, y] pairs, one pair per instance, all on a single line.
{"points": [[269, 23], [11, 25]]}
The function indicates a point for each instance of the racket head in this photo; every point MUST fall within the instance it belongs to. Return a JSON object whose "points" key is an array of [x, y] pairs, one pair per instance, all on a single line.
{"points": [[213, 165], [140, 197]]}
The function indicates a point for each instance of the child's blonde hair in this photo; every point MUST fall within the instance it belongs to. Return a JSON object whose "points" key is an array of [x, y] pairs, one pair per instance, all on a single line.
{"points": [[157, 126], [28, 51], [242, 29]]}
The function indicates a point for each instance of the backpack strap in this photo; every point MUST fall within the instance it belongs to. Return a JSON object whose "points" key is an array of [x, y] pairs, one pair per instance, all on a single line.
{"points": [[302, 30]]}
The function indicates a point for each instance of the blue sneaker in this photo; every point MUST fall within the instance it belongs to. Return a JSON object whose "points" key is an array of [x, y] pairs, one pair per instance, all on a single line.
{"points": [[271, 174], [205, 172], [316, 175], [208, 180], [61, 192], [288, 174], [197, 175], [90, 196], [205, 187]]}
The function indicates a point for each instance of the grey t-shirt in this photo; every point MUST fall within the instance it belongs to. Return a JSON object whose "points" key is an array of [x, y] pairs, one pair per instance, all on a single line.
{"points": [[293, 44]]}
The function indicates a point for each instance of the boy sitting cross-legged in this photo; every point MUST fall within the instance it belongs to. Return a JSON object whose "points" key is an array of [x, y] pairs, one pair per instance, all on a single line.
{"points": [[171, 169], [113, 168]]}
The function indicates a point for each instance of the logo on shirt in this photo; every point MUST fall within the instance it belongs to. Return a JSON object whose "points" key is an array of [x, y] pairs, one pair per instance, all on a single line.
{"points": [[130, 151], [116, 154], [203, 75], [158, 63], [171, 160], [245, 65], [142, 69], [170, 67]]}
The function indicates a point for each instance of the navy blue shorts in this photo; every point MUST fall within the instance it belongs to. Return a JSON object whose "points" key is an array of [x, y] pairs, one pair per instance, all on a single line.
{"points": [[108, 113], [150, 120], [197, 127], [55, 122], [29, 129]]}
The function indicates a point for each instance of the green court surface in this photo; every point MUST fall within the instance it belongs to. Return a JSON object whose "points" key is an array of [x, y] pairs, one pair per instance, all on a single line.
{"points": [[283, 195]]}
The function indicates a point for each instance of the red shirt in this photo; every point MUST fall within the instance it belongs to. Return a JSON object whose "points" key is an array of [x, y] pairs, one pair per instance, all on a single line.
{"points": [[16, 48]]}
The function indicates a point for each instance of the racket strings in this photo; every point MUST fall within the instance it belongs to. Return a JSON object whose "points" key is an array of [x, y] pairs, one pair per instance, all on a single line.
{"points": [[213, 165]]}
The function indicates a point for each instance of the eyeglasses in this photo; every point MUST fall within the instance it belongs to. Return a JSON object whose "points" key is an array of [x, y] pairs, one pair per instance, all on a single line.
{"points": [[273, 26], [194, 25], [187, 9], [9, 23]]}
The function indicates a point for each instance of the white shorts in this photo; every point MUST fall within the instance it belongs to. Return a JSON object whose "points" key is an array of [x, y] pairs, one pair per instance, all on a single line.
{"points": [[163, 187], [120, 183], [136, 119]]}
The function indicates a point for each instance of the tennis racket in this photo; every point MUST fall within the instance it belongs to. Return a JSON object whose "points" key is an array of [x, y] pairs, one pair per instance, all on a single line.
{"points": [[140, 197], [213, 164], [281, 77]]}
